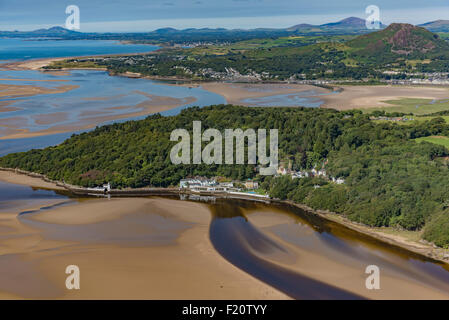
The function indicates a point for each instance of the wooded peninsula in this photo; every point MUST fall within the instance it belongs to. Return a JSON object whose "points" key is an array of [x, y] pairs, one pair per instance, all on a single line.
{"points": [[392, 176]]}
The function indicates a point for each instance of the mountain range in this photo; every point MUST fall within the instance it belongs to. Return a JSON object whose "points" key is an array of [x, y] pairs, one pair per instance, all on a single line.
{"points": [[351, 25]]}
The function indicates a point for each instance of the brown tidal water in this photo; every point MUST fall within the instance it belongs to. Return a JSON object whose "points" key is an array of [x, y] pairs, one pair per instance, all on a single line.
{"points": [[236, 239], [252, 249]]}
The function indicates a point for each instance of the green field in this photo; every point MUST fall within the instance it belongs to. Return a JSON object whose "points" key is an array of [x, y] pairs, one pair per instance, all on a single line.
{"points": [[292, 41], [441, 140], [444, 35], [413, 106], [425, 118], [79, 64], [267, 43]]}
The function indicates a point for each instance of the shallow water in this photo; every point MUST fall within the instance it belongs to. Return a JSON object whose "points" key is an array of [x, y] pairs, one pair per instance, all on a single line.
{"points": [[19, 145], [254, 249], [309, 99], [14, 196], [104, 95], [236, 239], [248, 247], [97, 95]]}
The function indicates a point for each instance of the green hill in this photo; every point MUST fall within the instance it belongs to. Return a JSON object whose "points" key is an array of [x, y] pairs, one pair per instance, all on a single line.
{"points": [[399, 39]]}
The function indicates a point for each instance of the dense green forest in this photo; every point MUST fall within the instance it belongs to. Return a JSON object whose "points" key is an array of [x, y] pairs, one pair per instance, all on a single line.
{"points": [[390, 180]]}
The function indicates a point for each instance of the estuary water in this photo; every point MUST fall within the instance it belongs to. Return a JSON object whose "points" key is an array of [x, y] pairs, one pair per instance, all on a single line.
{"points": [[295, 252], [93, 95]]}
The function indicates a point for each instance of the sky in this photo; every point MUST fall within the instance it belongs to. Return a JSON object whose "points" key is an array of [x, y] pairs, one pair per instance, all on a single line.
{"points": [[147, 15]]}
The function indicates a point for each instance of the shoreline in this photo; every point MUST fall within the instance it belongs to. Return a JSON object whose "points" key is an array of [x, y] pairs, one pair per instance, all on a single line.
{"points": [[348, 97], [39, 63], [427, 250], [419, 248], [16, 176]]}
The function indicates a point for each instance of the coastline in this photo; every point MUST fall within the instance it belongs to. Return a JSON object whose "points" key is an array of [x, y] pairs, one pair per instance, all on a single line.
{"points": [[39, 63], [423, 249], [347, 97], [351, 92]]}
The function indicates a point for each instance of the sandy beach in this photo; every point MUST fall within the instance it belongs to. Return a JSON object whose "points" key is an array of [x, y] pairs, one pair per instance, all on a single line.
{"points": [[350, 97], [381, 234], [32, 64], [125, 248], [362, 97], [22, 179], [236, 93], [165, 252], [16, 91], [39, 63], [154, 237]]}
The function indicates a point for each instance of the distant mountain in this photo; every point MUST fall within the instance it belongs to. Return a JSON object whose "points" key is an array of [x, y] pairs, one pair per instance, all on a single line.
{"points": [[55, 31], [399, 39], [50, 32], [165, 30], [436, 26], [302, 26], [351, 22], [348, 24]]}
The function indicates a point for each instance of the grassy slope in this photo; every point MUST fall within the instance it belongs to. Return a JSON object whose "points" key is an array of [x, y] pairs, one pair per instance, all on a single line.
{"points": [[414, 106], [440, 140]]}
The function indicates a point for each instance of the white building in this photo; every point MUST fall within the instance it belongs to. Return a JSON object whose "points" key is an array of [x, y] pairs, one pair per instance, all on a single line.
{"points": [[197, 182], [299, 174], [104, 188], [226, 184], [338, 180]]}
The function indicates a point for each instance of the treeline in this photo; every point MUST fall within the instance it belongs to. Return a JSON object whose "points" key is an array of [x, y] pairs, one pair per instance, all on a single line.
{"points": [[390, 180]]}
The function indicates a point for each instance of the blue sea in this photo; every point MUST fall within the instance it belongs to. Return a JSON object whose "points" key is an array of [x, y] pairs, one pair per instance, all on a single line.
{"points": [[23, 49]]}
